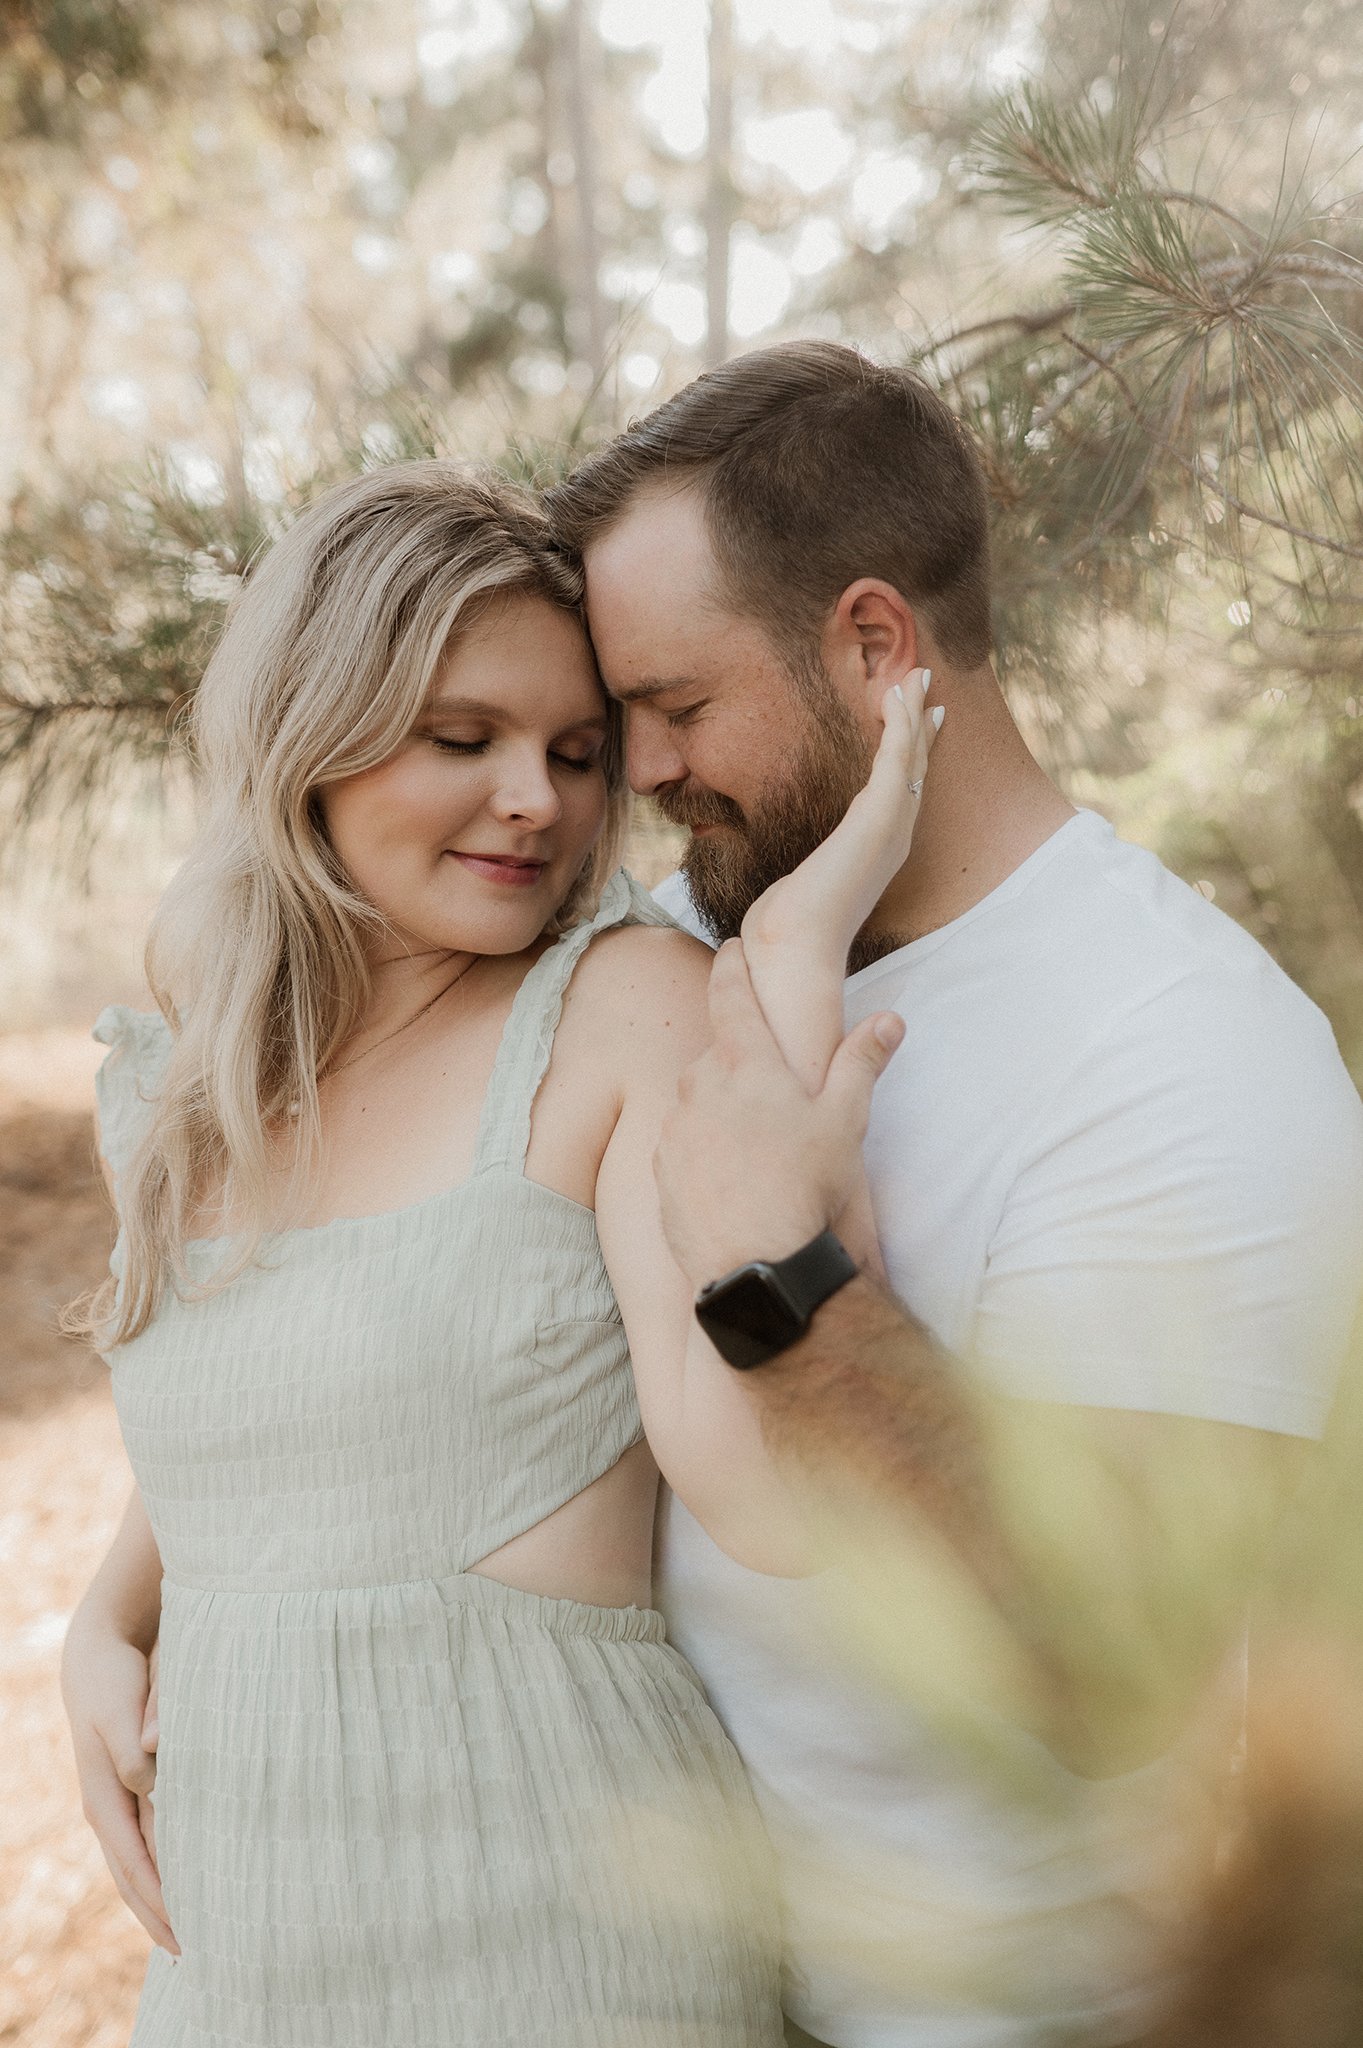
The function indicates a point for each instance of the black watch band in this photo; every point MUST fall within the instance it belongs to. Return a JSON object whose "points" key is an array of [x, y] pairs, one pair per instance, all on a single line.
{"points": [[761, 1309]]}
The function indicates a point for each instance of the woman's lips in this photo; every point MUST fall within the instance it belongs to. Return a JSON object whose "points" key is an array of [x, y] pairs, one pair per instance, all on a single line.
{"points": [[496, 867]]}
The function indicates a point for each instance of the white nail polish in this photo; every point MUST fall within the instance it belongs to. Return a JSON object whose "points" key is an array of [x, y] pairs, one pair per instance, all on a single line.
{"points": [[927, 680], [939, 712], [898, 691]]}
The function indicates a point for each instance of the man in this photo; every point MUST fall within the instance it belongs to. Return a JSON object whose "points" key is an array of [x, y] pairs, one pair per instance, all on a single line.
{"points": [[1116, 1165]]}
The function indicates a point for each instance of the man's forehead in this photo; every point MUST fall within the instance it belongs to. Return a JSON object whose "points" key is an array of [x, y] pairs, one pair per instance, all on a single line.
{"points": [[651, 605], [657, 529]]}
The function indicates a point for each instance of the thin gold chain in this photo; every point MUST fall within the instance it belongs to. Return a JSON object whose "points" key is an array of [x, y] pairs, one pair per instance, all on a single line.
{"points": [[407, 1024], [295, 1108]]}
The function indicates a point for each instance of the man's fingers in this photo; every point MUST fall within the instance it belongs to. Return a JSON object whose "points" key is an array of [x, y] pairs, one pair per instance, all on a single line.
{"points": [[113, 1815], [151, 1719], [860, 1061], [156, 1927], [146, 1821], [136, 1767]]}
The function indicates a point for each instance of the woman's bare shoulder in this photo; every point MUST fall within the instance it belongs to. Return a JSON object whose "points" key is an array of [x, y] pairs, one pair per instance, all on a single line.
{"points": [[643, 988]]}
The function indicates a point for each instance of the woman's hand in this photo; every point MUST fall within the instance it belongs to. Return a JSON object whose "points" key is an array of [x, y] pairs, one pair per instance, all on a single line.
{"points": [[108, 1687], [833, 892]]}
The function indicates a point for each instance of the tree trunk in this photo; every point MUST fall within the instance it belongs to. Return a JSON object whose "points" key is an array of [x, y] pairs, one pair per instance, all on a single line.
{"points": [[580, 69], [540, 54], [719, 182]]}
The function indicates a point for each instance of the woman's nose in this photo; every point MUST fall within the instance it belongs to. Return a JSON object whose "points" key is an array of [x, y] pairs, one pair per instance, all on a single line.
{"points": [[527, 792]]}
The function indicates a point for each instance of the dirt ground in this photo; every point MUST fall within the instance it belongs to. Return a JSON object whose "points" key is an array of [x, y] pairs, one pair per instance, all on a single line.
{"points": [[71, 1955]]}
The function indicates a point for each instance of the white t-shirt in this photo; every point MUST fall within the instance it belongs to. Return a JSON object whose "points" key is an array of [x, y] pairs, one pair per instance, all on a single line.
{"points": [[1117, 1161]]}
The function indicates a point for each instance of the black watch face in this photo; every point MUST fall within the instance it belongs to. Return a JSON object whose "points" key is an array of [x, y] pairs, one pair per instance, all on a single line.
{"points": [[749, 1319]]}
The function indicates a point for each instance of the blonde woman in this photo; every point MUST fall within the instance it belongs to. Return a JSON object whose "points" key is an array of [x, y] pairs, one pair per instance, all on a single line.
{"points": [[427, 1771]]}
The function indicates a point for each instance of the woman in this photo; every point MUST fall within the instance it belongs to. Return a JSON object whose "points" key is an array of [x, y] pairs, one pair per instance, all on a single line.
{"points": [[427, 1771]]}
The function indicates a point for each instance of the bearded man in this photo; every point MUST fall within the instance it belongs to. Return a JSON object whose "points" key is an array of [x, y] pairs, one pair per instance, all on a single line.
{"points": [[1117, 1172]]}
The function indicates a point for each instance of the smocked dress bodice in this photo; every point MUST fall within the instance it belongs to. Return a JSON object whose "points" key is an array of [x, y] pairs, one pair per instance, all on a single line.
{"points": [[382, 1397]]}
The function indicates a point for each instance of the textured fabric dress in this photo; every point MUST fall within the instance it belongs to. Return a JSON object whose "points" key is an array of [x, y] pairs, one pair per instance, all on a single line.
{"points": [[398, 1804]]}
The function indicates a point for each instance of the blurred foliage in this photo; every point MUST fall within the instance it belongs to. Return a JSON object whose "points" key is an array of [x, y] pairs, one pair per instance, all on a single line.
{"points": [[58, 57], [1141, 1557]]}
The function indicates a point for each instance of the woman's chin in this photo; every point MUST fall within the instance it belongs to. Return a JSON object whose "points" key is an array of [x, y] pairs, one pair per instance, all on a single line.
{"points": [[493, 927]]}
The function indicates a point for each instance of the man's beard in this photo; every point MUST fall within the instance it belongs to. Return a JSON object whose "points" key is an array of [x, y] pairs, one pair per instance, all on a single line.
{"points": [[727, 871]]}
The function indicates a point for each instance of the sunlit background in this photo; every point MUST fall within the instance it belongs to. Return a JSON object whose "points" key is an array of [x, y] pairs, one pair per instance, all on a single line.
{"points": [[235, 236]]}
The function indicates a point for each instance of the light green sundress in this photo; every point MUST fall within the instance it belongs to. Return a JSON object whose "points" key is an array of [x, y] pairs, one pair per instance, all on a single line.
{"points": [[400, 1805]]}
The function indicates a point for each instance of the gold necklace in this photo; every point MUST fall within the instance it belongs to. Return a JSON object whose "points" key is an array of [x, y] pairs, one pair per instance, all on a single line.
{"points": [[406, 1025]]}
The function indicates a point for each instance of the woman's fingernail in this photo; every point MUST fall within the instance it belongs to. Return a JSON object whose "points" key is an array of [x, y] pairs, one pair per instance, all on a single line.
{"points": [[898, 691], [927, 680], [939, 712]]}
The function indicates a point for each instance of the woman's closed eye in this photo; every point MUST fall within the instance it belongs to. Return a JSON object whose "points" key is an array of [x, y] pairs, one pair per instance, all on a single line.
{"points": [[580, 762]]}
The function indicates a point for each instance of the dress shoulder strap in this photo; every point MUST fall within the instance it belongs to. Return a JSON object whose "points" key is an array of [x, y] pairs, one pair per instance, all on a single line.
{"points": [[528, 1040], [125, 1087]]}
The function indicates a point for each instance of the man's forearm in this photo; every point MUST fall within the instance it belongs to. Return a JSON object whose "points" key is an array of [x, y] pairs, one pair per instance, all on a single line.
{"points": [[866, 1401], [874, 1417], [879, 1424], [125, 1593]]}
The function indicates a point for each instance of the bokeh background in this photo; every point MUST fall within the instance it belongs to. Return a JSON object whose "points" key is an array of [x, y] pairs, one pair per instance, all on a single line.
{"points": [[245, 247]]}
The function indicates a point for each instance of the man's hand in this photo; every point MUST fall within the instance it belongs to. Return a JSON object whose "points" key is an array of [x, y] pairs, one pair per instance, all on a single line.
{"points": [[751, 1165], [106, 1683]]}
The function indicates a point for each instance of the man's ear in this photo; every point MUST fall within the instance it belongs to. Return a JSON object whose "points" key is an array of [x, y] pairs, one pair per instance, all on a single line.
{"points": [[870, 642]]}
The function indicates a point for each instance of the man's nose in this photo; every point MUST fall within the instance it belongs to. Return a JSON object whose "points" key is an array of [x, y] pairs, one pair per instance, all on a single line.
{"points": [[651, 753]]}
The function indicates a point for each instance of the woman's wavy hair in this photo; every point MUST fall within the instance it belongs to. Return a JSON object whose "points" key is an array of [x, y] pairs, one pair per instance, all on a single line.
{"points": [[258, 953]]}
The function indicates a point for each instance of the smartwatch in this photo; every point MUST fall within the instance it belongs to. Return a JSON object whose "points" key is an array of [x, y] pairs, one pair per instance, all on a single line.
{"points": [[761, 1309]]}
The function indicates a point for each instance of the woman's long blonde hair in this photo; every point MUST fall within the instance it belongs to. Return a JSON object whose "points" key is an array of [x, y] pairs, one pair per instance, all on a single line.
{"points": [[258, 954]]}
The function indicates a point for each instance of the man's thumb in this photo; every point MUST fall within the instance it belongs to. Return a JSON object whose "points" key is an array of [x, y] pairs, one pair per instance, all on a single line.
{"points": [[862, 1058]]}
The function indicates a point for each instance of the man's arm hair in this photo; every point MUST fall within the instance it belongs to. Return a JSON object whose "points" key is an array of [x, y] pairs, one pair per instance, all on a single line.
{"points": [[883, 1430]]}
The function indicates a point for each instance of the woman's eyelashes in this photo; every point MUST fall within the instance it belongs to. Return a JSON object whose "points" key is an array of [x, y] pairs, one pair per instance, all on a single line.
{"points": [[580, 763], [446, 746]]}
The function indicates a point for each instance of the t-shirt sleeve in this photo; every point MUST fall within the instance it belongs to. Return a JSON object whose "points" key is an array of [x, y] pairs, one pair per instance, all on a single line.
{"points": [[673, 896], [1184, 1234]]}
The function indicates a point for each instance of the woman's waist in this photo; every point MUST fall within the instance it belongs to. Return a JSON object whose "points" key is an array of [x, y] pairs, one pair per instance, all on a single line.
{"points": [[577, 1513], [298, 1607]]}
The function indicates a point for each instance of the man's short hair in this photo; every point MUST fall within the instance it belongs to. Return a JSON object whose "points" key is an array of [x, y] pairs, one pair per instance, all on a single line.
{"points": [[816, 467]]}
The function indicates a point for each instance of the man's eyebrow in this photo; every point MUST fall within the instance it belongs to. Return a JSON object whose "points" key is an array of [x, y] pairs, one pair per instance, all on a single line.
{"points": [[651, 686]]}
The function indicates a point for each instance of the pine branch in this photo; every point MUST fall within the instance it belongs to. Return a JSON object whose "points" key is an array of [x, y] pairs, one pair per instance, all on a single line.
{"points": [[1200, 473], [1047, 162]]}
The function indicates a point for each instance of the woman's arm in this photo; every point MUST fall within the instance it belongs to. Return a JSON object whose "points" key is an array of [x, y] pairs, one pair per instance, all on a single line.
{"points": [[700, 1422], [106, 1684], [797, 935]]}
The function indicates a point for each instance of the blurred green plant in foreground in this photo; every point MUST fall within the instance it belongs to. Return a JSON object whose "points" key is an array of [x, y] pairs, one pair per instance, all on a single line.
{"points": [[1191, 1650]]}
